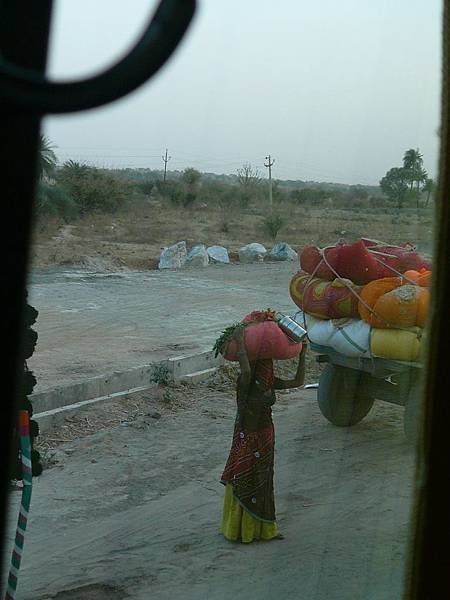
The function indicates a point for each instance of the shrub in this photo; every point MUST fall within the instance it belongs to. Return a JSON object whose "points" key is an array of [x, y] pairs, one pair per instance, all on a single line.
{"points": [[146, 187], [244, 198], [91, 188], [55, 201], [379, 202], [167, 397], [358, 192], [191, 176], [172, 191], [160, 375], [309, 195], [188, 198], [227, 199], [272, 225], [279, 195], [179, 194], [224, 226]]}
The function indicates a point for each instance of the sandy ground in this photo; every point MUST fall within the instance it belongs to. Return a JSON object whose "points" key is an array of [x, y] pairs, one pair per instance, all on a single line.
{"points": [[130, 502], [92, 323], [130, 507]]}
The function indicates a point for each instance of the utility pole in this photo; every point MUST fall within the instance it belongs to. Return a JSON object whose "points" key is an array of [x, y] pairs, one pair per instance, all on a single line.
{"points": [[166, 160], [269, 165]]}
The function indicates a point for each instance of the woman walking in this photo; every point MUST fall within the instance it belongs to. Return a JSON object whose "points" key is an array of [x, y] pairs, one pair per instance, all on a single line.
{"points": [[249, 506]]}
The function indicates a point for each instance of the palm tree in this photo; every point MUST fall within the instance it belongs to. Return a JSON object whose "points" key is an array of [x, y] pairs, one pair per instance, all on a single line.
{"points": [[428, 187], [413, 164], [421, 176], [47, 158], [75, 169]]}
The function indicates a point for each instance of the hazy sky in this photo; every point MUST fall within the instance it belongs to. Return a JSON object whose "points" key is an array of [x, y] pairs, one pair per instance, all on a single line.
{"points": [[334, 90]]}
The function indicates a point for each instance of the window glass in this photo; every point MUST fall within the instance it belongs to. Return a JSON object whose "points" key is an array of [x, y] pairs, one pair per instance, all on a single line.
{"points": [[284, 158]]}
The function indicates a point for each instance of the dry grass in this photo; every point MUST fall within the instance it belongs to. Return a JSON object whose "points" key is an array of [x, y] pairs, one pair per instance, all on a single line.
{"points": [[134, 238], [137, 410]]}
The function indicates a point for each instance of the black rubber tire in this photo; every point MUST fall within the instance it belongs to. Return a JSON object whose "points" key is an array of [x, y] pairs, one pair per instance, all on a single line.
{"points": [[341, 395], [411, 417]]}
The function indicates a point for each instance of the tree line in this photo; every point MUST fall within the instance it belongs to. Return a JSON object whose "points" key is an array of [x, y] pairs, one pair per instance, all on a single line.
{"points": [[75, 189]]}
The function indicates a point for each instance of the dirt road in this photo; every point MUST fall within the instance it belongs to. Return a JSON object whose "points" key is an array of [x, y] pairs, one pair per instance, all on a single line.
{"points": [[95, 323], [133, 510]]}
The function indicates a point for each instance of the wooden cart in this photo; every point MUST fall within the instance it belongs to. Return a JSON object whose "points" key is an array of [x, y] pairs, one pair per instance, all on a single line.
{"points": [[348, 387]]}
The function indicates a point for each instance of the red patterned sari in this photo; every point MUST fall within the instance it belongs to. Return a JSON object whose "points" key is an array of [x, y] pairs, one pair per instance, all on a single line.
{"points": [[249, 468]]}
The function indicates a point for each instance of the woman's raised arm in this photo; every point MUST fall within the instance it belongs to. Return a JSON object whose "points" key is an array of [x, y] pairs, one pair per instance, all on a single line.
{"points": [[299, 379], [242, 356]]}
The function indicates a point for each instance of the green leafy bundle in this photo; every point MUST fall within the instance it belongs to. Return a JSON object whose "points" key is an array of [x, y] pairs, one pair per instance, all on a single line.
{"points": [[226, 337]]}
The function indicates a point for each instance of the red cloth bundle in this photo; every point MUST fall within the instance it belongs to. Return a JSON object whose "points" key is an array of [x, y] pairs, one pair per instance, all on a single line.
{"points": [[263, 339], [361, 262], [406, 258], [350, 261]]}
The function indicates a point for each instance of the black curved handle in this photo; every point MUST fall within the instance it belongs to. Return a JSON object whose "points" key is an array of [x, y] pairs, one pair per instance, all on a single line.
{"points": [[30, 90]]}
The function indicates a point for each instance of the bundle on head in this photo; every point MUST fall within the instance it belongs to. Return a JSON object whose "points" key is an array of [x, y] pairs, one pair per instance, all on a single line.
{"points": [[263, 339]]}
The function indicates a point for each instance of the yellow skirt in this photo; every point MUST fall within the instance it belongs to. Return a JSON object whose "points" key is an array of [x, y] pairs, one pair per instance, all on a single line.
{"points": [[238, 524]]}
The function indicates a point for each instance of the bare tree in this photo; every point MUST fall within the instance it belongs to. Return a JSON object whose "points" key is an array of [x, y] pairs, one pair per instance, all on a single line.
{"points": [[249, 180], [248, 176]]}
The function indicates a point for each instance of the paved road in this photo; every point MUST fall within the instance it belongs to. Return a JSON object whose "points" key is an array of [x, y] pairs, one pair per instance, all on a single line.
{"points": [[92, 323]]}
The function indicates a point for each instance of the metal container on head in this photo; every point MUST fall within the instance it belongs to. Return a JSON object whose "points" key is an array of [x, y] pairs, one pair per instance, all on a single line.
{"points": [[291, 328]]}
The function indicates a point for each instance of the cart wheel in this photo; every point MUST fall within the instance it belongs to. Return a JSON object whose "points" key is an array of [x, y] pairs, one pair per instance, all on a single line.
{"points": [[341, 395], [411, 417]]}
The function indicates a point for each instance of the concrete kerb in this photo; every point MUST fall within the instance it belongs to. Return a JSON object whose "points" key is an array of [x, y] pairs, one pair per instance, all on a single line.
{"points": [[180, 366], [52, 406]]}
